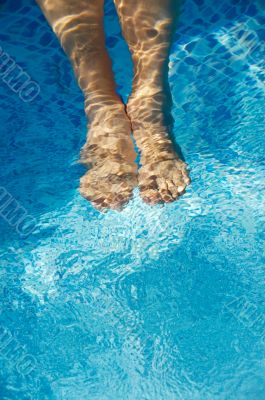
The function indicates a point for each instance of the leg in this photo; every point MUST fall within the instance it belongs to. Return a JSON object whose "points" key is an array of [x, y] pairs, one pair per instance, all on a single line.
{"points": [[109, 150], [148, 26]]}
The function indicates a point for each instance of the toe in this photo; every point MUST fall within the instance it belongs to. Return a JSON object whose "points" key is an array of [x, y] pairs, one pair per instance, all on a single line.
{"points": [[98, 206], [118, 198], [164, 182], [150, 196], [186, 178], [185, 175], [149, 189], [179, 183], [109, 201], [103, 193], [163, 190], [173, 189]]}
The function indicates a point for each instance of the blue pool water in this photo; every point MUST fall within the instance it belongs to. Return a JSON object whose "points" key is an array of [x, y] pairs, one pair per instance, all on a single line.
{"points": [[153, 303]]}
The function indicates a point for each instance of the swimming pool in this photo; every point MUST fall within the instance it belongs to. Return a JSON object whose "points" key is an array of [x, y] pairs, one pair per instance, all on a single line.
{"points": [[152, 303]]}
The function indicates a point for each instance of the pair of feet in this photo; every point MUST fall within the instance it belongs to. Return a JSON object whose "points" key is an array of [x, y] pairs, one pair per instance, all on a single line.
{"points": [[109, 153]]}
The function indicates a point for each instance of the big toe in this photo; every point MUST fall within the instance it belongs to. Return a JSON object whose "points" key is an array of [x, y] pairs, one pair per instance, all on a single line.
{"points": [[150, 196], [111, 201], [149, 189]]}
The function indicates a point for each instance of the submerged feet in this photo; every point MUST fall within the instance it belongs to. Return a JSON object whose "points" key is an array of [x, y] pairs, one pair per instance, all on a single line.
{"points": [[162, 177], [110, 154]]}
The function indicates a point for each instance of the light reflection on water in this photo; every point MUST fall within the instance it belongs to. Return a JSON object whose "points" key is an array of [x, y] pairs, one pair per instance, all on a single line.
{"points": [[153, 303]]}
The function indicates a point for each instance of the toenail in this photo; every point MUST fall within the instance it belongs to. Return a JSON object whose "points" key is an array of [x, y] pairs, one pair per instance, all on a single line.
{"points": [[167, 198], [152, 185]]}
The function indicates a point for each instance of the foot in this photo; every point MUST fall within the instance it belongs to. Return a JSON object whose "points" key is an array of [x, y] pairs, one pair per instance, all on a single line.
{"points": [[163, 181], [110, 154], [163, 177]]}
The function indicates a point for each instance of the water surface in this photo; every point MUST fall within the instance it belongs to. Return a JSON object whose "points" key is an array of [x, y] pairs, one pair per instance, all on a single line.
{"points": [[153, 303]]}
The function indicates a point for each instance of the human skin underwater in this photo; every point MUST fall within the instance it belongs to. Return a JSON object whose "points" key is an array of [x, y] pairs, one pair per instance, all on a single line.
{"points": [[109, 153]]}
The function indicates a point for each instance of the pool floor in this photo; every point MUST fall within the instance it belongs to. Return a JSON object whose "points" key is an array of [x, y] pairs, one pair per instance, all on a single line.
{"points": [[153, 303]]}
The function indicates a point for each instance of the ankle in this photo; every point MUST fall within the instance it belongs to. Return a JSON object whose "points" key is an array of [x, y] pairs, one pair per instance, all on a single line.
{"points": [[154, 145], [149, 106], [109, 116]]}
